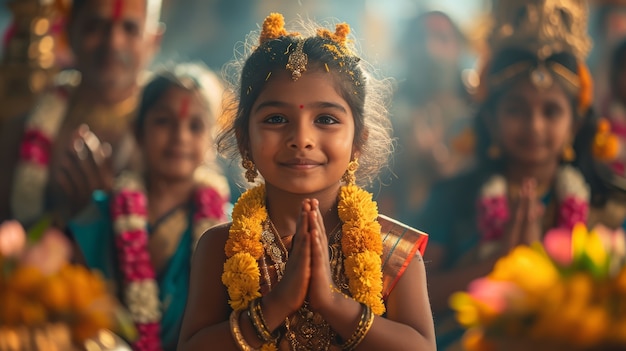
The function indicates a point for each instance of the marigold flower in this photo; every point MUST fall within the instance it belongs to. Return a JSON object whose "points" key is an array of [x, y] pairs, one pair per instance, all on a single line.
{"points": [[273, 27]]}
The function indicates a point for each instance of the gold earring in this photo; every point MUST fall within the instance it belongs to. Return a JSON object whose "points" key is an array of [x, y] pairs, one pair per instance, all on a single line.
{"points": [[494, 152], [349, 178], [251, 172], [569, 154]]}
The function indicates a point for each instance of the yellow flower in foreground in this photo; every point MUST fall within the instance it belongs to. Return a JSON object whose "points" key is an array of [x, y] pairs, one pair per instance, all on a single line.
{"points": [[474, 340], [466, 309], [531, 270], [590, 245]]}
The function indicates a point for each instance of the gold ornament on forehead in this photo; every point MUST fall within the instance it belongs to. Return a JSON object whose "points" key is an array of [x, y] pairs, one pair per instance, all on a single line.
{"points": [[297, 61], [542, 27]]}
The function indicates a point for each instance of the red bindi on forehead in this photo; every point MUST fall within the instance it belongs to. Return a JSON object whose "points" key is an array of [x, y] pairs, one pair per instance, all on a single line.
{"points": [[301, 106], [183, 111], [118, 9]]}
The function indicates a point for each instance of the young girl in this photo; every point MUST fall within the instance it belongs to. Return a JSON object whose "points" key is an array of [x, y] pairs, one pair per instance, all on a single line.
{"points": [[534, 134], [143, 234], [300, 266]]}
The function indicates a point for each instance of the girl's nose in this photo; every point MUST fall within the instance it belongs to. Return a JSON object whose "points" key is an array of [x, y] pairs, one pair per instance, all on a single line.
{"points": [[301, 136]]}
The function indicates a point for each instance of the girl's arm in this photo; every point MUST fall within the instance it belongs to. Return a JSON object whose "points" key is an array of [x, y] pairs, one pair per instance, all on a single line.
{"points": [[408, 324], [205, 321]]}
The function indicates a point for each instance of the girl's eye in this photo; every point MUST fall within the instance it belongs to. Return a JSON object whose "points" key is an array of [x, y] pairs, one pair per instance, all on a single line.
{"points": [[275, 119], [326, 119], [552, 111], [196, 126]]}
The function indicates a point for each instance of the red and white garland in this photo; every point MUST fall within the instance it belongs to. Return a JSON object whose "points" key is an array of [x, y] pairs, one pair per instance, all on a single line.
{"points": [[31, 172], [572, 194], [129, 211]]}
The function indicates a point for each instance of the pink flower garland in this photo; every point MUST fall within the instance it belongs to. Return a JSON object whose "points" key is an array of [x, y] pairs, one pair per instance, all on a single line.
{"points": [[129, 212], [493, 207], [31, 171]]}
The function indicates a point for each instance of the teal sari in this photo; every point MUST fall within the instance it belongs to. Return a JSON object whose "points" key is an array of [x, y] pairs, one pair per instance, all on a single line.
{"points": [[93, 233]]}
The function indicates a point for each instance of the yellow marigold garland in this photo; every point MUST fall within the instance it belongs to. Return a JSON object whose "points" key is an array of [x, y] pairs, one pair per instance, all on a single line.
{"points": [[243, 248], [361, 244]]}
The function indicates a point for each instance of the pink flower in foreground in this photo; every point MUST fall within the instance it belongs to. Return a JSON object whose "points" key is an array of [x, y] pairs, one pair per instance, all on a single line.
{"points": [[614, 241], [558, 244], [50, 253], [493, 293], [12, 238]]}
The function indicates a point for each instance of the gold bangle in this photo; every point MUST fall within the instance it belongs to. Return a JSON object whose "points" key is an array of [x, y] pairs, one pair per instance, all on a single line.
{"points": [[365, 323], [258, 322], [236, 332]]}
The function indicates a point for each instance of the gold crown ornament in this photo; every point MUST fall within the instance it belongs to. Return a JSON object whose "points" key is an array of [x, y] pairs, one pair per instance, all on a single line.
{"points": [[545, 27]]}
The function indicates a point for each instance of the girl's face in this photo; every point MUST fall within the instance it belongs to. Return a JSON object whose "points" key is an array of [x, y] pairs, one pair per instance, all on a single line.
{"points": [[533, 126], [176, 134], [301, 133]]}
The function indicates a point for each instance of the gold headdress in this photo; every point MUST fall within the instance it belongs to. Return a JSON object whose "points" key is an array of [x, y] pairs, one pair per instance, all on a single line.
{"points": [[274, 28], [544, 28]]}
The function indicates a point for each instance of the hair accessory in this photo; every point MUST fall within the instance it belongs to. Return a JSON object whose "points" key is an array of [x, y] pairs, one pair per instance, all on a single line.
{"points": [[541, 77], [545, 27], [273, 27], [297, 61], [340, 36]]}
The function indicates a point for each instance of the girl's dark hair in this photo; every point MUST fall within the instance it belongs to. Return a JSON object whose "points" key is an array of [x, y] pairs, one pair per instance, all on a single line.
{"points": [[618, 63], [366, 95], [586, 121]]}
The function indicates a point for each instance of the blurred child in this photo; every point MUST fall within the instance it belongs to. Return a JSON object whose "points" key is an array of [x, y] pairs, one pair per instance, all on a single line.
{"points": [[143, 234]]}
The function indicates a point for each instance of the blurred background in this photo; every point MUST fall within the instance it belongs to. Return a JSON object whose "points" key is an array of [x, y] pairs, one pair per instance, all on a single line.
{"points": [[431, 47]]}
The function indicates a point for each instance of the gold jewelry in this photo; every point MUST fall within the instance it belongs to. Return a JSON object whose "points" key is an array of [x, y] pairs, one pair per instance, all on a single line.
{"points": [[541, 77], [297, 61], [305, 330], [349, 178], [494, 152], [545, 27], [569, 154], [571, 77], [248, 165], [236, 332], [365, 323], [258, 322]]}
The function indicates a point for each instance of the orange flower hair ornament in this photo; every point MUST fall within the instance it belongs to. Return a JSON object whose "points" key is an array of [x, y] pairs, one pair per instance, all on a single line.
{"points": [[274, 28], [606, 145], [585, 95]]}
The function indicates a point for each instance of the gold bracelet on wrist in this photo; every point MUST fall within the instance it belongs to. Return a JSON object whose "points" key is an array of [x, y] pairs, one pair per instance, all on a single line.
{"points": [[365, 323], [236, 332], [258, 322]]}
